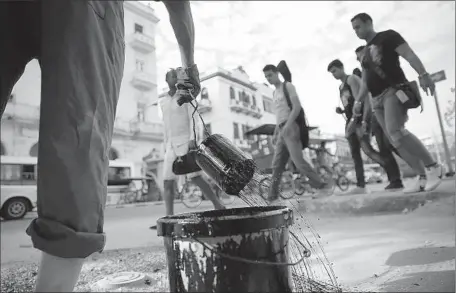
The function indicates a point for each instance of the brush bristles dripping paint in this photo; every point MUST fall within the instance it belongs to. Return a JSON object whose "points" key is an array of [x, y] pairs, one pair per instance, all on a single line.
{"points": [[315, 274]]}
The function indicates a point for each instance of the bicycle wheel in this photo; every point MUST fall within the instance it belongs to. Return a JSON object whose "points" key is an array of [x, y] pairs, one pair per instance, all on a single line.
{"points": [[191, 195], [264, 186], [343, 183], [299, 186], [327, 177]]}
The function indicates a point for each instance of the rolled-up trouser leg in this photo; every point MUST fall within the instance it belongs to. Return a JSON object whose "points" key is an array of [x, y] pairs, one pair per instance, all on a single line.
{"points": [[82, 60]]}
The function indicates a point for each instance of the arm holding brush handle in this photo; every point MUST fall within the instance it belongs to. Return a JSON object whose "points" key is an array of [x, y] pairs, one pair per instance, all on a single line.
{"points": [[181, 19]]}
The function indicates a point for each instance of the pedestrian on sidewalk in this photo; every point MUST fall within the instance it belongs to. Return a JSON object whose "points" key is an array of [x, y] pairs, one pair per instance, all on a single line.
{"points": [[287, 137], [385, 148], [81, 51], [392, 96], [182, 132]]}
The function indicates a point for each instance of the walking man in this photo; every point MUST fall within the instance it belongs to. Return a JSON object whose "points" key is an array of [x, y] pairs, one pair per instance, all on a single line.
{"points": [[382, 53], [180, 128], [359, 138], [287, 136], [384, 146], [81, 50]]}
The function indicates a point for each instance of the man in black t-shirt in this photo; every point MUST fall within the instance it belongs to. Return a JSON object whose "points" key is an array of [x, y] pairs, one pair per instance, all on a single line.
{"points": [[357, 119], [382, 52]]}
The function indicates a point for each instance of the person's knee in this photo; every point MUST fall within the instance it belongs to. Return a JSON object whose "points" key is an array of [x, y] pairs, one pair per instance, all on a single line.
{"points": [[396, 134]]}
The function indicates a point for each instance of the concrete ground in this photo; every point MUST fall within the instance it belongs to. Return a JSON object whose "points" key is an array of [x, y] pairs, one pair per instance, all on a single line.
{"points": [[405, 252]]}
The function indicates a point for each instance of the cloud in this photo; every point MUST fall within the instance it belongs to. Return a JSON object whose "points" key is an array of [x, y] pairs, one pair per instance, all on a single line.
{"points": [[308, 35]]}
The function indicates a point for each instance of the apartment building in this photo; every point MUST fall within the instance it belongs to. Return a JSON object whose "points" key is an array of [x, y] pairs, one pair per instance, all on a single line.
{"points": [[136, 131]]}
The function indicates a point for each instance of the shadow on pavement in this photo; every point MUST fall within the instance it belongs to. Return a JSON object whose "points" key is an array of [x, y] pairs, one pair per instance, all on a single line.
{"points": [[441, 281], [421, 256]]}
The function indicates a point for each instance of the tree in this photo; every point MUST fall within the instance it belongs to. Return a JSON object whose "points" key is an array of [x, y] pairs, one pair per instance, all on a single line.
{"points": [[450, 112]]}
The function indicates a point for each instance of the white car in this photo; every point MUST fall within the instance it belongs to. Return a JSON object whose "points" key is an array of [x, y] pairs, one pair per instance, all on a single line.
{"points": [[17, 201]]}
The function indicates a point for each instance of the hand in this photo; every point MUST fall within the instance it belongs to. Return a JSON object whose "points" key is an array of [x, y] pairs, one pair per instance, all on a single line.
{"points": [[188, 84], [192, 145], [364, 129], [286, 130], [357, 108], [339, 110], [427, 83]]}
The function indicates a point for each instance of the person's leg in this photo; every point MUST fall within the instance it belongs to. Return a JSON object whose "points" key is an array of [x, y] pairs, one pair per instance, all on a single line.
{"points": [[208, 192], [391, 166], [294, 147], [408, 145], [169, 190], [355, 149], [81, 58], [279, 161]]}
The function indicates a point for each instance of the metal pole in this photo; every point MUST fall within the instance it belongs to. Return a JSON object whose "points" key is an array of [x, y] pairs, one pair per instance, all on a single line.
{"points": [[445, 144]]}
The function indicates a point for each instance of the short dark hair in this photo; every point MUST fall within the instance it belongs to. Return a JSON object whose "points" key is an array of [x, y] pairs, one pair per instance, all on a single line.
{"points": [[170, 71], [335, 63], [270, 67], [359, 49], [357, 72], [364, 17]]}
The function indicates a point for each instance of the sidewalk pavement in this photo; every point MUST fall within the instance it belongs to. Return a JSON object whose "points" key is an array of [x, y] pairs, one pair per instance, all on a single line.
{"points": [[375, 202], [379, 202]]}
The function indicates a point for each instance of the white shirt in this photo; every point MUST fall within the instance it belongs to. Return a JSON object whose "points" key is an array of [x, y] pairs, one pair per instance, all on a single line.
{"points": [[177, 121]]}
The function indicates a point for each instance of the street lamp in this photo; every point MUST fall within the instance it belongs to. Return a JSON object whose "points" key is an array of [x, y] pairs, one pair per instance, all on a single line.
{"points": [[436, 77]]}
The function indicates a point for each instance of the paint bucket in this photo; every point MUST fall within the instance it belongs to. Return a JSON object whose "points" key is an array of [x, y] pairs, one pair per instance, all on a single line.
{"points": [[232, 250], [225, 163]]}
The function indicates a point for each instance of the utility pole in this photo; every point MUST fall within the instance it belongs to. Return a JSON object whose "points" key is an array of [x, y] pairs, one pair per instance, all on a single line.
{"points": [[436, 77]]}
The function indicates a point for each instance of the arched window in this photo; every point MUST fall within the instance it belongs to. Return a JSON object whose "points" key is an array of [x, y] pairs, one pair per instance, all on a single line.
{"points": [[113, 154], [204, 94], [232, 93], [34, 150]]}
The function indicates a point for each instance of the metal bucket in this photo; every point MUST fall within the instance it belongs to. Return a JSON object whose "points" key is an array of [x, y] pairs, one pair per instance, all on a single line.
{"points": [[232, 250], [225, 163]]}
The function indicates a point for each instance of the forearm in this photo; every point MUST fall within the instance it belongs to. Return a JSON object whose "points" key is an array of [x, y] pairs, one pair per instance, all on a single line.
{"points": [[367, 113], [180, 15], [293, 115], [416, 63]]}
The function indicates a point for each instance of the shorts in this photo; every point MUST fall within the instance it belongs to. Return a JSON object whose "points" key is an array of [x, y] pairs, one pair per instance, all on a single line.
{"points": [[172, 151]]}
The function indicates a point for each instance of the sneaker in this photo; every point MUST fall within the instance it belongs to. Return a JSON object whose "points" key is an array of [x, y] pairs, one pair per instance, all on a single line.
{"points": [[419, 185], [395, 185], [434, 176]]}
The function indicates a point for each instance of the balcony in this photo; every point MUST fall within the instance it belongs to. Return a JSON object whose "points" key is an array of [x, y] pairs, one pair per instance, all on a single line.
{"points": [[142, 42], [22, 113], [235, 106], [204, 106], [255, 111], [143, 81], [138, 129]]}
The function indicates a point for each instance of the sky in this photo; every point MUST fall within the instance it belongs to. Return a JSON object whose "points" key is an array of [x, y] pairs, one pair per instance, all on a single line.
{"points": [[310, 34]]}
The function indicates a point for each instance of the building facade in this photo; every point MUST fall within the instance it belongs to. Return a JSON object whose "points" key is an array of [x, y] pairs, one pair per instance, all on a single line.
{"points": [[136, 131]]}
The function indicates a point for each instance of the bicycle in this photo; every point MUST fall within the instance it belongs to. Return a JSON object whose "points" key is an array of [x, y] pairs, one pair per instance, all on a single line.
{"points": [[191, 195], [133, 194], [335, 174]]}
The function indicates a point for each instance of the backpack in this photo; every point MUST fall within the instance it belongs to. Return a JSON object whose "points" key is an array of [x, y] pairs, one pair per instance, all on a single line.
{"points": [[301, 119]]}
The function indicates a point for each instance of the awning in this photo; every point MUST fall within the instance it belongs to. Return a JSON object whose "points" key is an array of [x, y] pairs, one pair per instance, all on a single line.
{"points": [[267, 129]]}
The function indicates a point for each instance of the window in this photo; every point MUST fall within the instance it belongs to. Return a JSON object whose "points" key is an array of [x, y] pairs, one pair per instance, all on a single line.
{"points": [[232, 93], [17, 174], [118, 173], [208, 128], [204, 94], [140, 65], [236, 131], [267, 105], [253, 101], [138, 28], [141, 113], [245, 129]]}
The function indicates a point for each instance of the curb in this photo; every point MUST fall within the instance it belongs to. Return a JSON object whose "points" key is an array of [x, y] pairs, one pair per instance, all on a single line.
{"points": [[372, 204]]}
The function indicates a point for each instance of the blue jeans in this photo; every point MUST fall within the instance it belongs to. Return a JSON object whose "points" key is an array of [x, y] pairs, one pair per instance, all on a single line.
{"points": [[287, 147]]}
